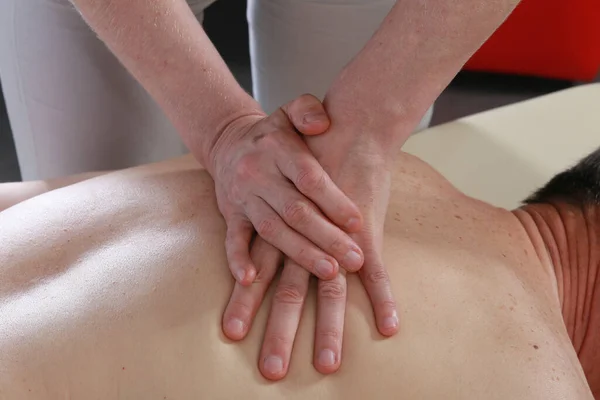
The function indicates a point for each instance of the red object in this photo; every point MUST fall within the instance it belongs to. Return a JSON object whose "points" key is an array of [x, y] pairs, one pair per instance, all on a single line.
{"points": [[546, 38]]}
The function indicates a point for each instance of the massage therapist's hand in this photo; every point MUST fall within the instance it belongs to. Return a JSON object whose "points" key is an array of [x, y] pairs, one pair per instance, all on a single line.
{"points": [[267, 180], [359, 166]]}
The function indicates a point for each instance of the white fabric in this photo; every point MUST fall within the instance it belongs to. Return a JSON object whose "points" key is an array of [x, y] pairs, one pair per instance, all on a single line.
{"points": [[299, 46], [72, 106]]}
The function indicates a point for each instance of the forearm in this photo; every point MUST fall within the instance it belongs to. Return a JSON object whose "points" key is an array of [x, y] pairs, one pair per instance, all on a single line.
{"points": [[419, 48], [162, 44]]}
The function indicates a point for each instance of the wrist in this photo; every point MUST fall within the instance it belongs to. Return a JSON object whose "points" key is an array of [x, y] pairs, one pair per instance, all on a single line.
{"points": [[346, 146], [229, 131], [365, 132], [214, 125], [387, 121]]}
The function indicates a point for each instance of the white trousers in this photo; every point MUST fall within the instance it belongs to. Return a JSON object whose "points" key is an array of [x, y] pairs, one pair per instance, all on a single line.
{"points": [[73, 108]]}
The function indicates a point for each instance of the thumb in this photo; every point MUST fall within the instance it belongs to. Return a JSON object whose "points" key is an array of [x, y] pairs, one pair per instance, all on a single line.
{"points": [[307, 114]]}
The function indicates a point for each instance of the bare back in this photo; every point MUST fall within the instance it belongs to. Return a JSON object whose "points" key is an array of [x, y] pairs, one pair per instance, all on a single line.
{"points": [[115, 288]]}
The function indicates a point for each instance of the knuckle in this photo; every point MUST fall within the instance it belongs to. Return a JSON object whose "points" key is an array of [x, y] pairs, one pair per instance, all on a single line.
{"points": [[306, 98], [309, 103], [270, 139], [239, 310], [387, 304], [337, 246], [236, 193], [265, 273], [289, 293], [377, 276], [330, 334], [310, 180], [278, 340], [266, 228], [245, 165], [296, 212], [332, 290]]}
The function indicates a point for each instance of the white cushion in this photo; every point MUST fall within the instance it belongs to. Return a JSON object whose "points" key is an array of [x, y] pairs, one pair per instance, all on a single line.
{"points": [[503, 155]]}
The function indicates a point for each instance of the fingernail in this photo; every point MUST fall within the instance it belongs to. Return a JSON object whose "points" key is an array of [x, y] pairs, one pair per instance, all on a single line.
{"points": [[324, 268], [352, 224], [390, 323], [353, 260], [241, 275], [327, 358], [273, 365], [235, 327], [313, 117]]}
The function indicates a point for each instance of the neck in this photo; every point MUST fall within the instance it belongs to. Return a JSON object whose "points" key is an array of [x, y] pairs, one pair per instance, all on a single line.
{"points": [[567, 240]]}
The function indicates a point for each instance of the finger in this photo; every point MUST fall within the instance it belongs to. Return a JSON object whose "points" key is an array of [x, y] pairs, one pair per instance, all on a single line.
{"points": [[311, 180], [272, 228], [301, 215], [307, 114], [284, 319], [246, 300], [377, 284], [331, 310], [237, 248]]}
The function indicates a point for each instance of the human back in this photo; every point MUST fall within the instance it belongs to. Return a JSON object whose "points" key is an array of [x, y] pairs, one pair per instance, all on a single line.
{"points": [[115, 287]]}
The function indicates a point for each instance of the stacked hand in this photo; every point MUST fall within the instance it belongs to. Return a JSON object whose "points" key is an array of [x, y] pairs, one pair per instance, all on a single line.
{"points": [[268, 180], [255, 190]]}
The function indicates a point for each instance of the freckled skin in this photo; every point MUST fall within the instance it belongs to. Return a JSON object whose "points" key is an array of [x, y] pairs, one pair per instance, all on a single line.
{"points": [[124, 299], [571, 237]]}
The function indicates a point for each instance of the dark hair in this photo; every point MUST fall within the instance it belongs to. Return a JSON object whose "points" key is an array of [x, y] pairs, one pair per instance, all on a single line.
{"points": [[579, 185]]}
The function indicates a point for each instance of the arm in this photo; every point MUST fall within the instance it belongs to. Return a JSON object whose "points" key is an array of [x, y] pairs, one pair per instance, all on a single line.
{"points": [[420, 46], [252, 157], [165, 48]]}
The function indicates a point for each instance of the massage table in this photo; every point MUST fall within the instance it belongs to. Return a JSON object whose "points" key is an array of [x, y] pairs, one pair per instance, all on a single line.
{"points": [[503, 155]]}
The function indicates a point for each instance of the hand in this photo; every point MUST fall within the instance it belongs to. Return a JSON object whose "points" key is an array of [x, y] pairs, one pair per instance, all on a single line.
{"points": [[362, 170], [360, 167], [267, 179]]}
